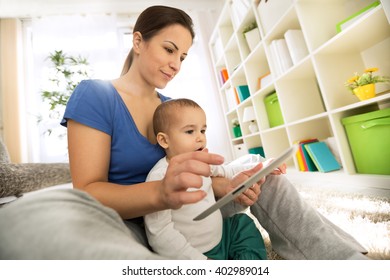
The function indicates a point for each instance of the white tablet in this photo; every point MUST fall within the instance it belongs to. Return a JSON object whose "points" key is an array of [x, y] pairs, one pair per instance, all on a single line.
{"points": [[247, 184]]}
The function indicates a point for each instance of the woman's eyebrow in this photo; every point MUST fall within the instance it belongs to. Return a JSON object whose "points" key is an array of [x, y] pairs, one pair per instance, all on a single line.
{"points": [[174, 46]]}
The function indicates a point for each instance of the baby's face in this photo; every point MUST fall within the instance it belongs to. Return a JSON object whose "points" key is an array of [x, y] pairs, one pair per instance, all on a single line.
{"points": [[187, 133]]}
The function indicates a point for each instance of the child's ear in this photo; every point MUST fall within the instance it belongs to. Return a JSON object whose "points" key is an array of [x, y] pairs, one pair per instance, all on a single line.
{"points": [[162, 140]]}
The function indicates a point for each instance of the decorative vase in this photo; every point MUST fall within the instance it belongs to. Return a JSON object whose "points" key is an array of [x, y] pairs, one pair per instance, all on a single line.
{"points": [[365, 92], [253, 127], [237, 131]]}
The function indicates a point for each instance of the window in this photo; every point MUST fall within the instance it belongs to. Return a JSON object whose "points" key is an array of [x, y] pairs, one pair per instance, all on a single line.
{"points": [[102, 39]]}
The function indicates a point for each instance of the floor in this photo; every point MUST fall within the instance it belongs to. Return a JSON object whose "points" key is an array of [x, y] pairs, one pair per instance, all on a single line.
{"points": [[375, 185]]}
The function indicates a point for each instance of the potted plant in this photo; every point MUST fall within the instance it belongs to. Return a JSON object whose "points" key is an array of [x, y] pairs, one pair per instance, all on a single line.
{"points": [[252, 35], [236, 128], [65, 74], [363, 86]]}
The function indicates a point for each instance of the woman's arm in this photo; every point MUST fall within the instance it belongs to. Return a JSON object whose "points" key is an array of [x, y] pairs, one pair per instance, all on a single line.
{"points": [[89, 157]]}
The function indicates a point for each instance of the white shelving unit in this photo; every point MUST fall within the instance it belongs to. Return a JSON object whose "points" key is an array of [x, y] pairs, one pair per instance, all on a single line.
{"points": [[311, 93]]}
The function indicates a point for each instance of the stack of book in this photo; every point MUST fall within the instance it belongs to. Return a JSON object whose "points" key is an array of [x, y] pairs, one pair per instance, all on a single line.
{"points": [[289, 50], [314, 155], [281, 56]]}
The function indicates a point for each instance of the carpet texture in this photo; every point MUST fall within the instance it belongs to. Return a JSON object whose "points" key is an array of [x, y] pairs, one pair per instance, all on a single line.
{"points": [[364, 217]]}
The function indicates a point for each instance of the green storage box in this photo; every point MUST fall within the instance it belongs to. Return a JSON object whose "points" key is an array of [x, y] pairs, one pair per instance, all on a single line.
{"points": [[369, 139], [272, 107]]}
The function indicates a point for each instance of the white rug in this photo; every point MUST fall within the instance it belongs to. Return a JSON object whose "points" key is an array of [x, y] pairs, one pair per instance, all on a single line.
{"points": [[366, 218]]}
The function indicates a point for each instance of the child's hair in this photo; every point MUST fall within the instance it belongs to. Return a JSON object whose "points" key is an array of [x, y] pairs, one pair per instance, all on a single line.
{"points": [[166, 111], [155, 18]]}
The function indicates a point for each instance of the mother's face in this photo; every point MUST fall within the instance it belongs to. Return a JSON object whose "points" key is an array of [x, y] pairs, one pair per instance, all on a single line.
{"points": [[161, 57]]}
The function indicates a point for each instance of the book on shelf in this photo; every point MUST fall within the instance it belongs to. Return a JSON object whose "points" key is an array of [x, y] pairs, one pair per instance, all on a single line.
{"points": [[232, 99], [264, 80], [238, 101], [243, 92], [296, 45], [280, 55], [275, 58], [299, 157], [224, 75], [303, 155], [284, 54], [356, 16], [322, 157]]}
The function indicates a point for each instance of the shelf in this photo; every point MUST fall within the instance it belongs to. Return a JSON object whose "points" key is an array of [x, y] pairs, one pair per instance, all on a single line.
{"points": [[359, 36], [310, 91]]}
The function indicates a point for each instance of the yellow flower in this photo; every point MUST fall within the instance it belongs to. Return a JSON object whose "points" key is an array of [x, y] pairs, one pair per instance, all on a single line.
{"points": [[373, 69], [365, 79], [353, 79]]}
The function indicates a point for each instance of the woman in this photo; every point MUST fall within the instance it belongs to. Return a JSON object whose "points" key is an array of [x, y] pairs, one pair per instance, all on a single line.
{"points": [[111, 150]]}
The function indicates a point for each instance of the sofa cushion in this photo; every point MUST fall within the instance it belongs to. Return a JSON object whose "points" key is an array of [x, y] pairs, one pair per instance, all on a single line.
{"points": [[17, 179]]}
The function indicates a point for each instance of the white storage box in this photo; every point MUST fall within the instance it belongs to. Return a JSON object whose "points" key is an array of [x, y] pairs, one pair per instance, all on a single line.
{"points": [[240, 150]]}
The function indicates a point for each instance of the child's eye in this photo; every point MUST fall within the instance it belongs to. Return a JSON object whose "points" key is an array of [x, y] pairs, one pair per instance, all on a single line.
{"points": [[203, 131], [190, 131], [182, 58]]}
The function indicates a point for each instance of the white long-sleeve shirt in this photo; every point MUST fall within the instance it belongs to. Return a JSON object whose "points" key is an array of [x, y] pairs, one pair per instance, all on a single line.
{"points": [[173, 233]]}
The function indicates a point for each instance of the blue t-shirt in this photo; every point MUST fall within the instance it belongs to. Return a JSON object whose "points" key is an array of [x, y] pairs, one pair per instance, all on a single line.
{"points": [[96, 103]]}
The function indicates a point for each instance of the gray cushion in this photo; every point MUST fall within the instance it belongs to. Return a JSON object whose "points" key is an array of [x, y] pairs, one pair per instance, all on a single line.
{"points": [[17, 179]]}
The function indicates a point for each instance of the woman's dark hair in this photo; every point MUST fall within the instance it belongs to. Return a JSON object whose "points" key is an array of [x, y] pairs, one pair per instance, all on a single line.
{"points": [[152, 20]]}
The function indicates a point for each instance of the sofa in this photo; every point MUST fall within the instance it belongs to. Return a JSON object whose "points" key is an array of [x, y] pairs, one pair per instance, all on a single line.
{"points": [[17, 179]]}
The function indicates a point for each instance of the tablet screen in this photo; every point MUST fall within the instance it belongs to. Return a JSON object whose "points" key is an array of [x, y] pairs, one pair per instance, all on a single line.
{"points": [[247, 184]]}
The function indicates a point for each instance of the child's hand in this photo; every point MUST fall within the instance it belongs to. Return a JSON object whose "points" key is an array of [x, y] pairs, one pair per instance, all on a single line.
{"points": [[280, 170], [250, 196]]}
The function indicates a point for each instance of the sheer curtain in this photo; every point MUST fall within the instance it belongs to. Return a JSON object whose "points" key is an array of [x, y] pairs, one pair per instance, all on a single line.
{"points": [[95, 37]]}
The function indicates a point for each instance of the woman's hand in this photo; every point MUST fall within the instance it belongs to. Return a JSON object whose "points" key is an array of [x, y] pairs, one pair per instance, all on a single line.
{"points": [[185, 171]]}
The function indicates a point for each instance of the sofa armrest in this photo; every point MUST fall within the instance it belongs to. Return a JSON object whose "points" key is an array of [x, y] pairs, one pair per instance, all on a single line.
{"points": [[16, 179]]}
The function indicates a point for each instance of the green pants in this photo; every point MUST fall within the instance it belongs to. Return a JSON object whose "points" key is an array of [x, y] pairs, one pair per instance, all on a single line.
{"points": [[241, 240]]}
